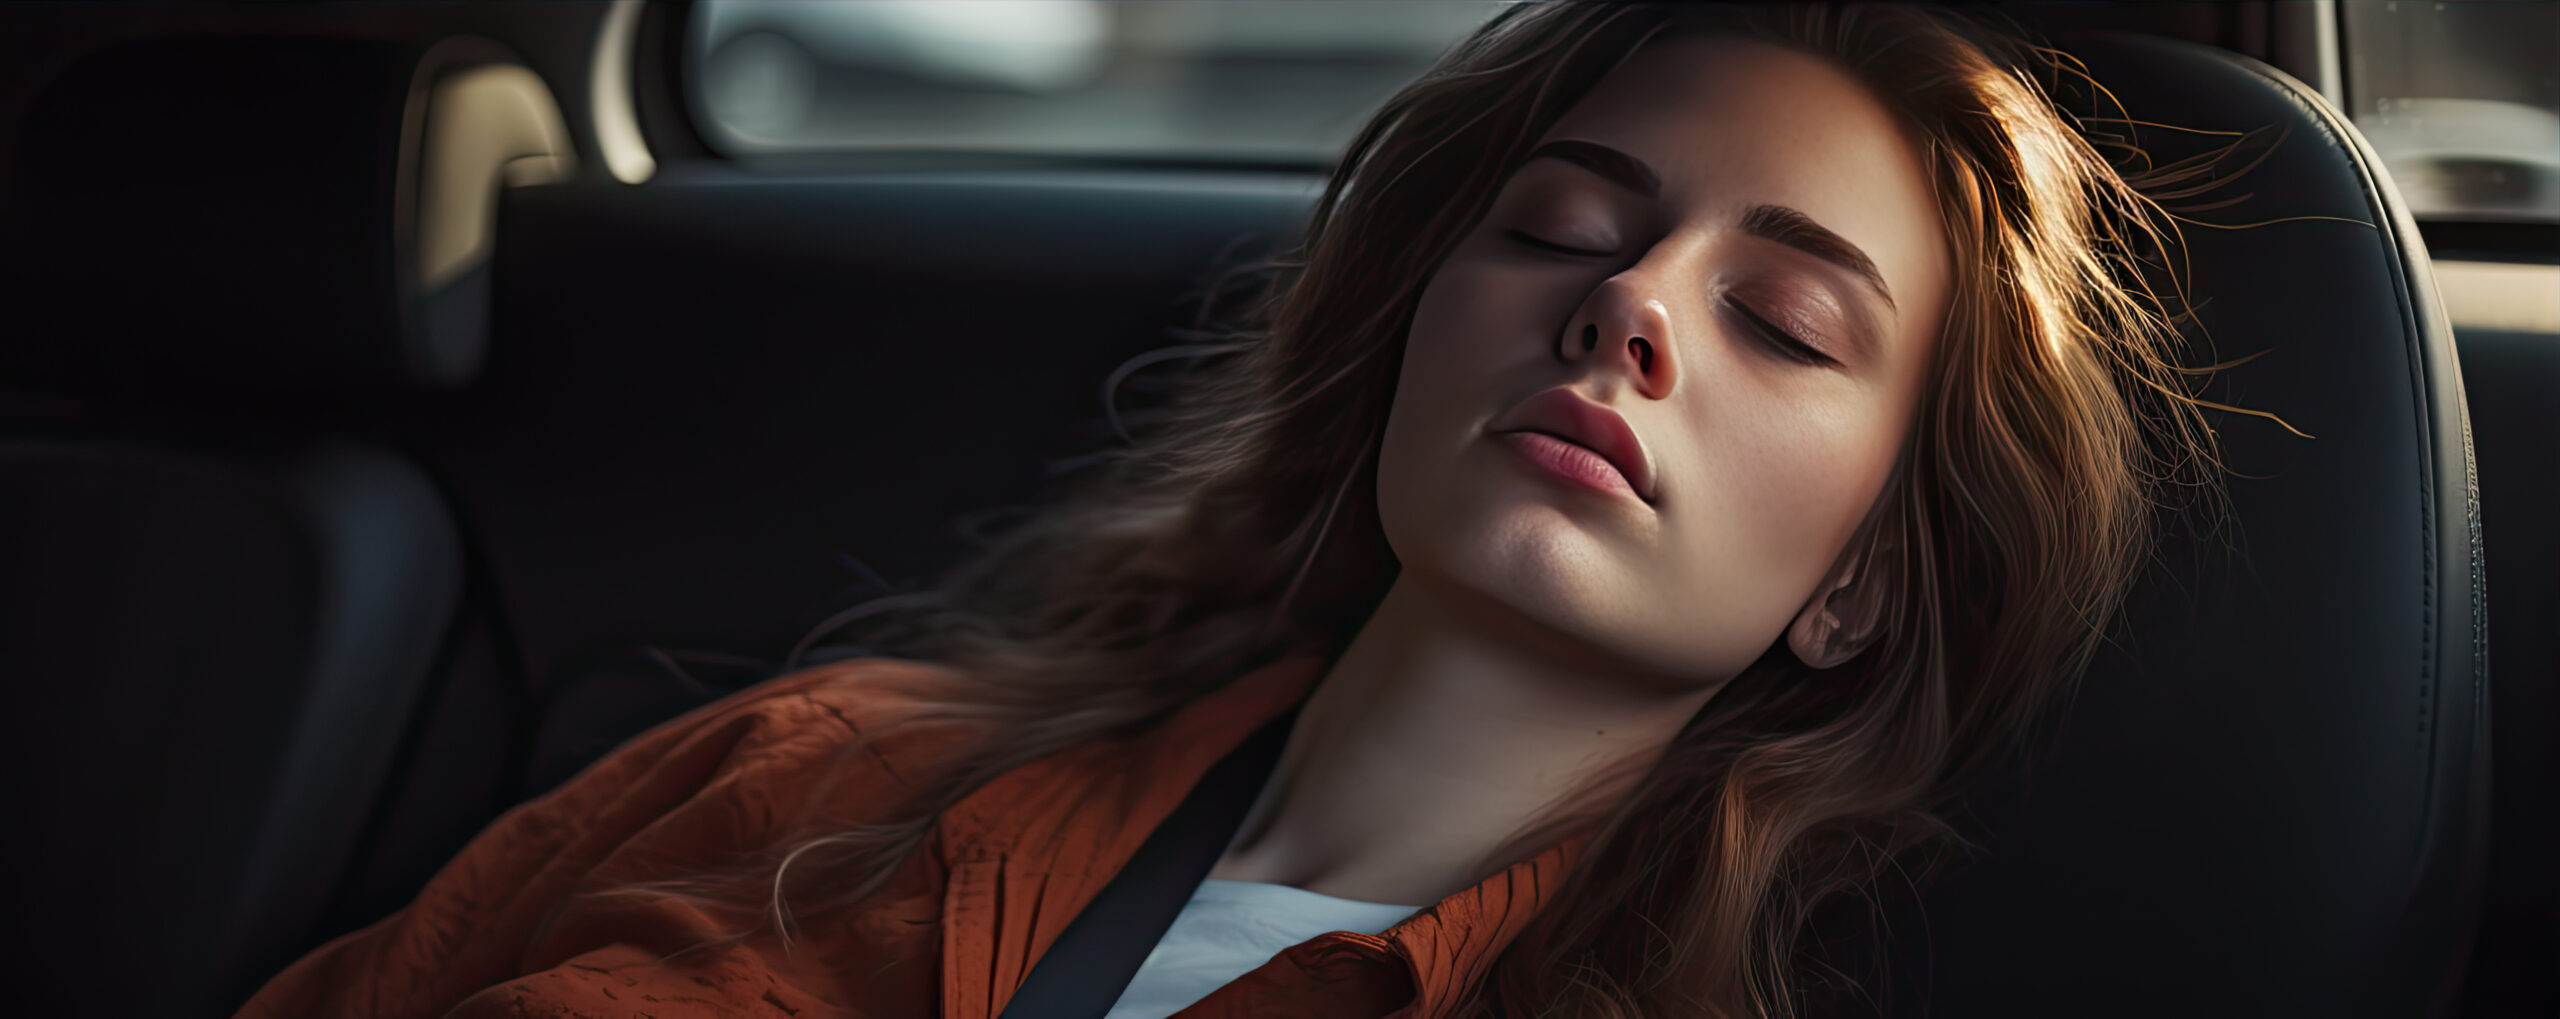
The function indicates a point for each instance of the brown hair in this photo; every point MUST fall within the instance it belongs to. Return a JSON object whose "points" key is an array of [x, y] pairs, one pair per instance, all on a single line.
{"points": [[1244, 527]]}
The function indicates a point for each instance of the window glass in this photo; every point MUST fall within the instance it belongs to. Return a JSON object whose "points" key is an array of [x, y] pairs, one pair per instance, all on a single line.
{"points": [[2461, 101], [1231, 80]]}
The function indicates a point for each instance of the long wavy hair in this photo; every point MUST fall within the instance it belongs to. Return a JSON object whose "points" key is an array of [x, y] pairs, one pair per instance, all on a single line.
{"points": [[2056, 427]]}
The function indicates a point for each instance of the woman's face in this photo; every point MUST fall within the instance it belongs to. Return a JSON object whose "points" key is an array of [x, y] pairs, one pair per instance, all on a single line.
{"points": [[1732, 249]]}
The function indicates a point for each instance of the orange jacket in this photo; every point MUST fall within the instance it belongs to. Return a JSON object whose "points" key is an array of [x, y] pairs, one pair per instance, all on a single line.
{"points": [[498, 932]]}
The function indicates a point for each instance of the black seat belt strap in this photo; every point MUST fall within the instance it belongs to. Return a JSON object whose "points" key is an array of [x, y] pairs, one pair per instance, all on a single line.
{"points": [[1084, 973]]}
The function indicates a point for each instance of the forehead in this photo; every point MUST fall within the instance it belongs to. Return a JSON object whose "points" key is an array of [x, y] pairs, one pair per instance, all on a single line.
{"points": [[1730, 123], [1726, 106]]}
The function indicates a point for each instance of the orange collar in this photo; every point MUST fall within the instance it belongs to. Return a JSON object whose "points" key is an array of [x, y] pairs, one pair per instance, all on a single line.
{"points": [[1031, 849]]}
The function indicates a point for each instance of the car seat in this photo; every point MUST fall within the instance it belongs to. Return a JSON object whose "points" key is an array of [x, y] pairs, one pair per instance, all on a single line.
{"points": [[2271, 796], [231, 620]]}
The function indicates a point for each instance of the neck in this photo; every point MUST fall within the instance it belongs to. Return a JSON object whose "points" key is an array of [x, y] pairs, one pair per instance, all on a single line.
{"points": [[1439, 736]]}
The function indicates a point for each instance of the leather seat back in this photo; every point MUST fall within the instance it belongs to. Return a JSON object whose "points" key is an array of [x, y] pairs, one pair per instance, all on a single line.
{"points": [[231, 619], [2271, 796]]}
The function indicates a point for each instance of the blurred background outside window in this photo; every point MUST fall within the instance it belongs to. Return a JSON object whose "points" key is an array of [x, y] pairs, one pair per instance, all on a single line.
{"points": [[1247, 81], [2462, 102], [2461, 99]]}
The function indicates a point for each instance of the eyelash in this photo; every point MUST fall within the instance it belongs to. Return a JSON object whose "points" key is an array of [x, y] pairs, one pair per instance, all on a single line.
{"points": [[1533, 241], [1786, 342]]}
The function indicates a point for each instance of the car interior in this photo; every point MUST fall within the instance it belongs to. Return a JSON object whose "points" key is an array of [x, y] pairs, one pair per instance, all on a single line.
{"points": [[402, 405]]}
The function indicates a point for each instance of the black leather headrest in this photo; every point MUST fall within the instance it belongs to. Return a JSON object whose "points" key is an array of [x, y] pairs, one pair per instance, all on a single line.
{"points": [[2271, 799], [197, 217]]}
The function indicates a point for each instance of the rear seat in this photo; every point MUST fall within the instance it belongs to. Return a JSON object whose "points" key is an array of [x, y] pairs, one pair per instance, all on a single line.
{"points": [[259, 693], [724, 405]]}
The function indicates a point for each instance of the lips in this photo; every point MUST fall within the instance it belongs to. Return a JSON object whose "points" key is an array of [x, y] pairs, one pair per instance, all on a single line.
{"points": [[1565, 415]]}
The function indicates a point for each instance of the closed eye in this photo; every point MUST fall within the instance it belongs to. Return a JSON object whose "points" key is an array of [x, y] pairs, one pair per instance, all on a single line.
{"points": [[1529, 240], [1786, 342]]}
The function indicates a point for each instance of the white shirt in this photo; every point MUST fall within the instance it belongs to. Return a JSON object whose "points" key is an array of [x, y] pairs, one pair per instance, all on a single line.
{"points": [[1229, 928]]}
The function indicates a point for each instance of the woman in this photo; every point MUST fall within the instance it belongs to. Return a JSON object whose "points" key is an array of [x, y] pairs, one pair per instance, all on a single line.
{"points": [[1690, 443]]}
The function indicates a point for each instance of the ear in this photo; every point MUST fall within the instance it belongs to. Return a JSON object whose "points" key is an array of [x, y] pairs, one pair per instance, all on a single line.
{"points": [[1847, 612]]}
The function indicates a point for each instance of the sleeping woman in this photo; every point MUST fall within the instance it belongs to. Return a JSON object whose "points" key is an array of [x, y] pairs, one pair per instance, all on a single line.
{"points": [[1689, 443]]}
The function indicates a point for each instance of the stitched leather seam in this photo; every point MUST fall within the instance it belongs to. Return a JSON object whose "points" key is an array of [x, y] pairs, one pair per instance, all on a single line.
{"points": [[2421, 378]]}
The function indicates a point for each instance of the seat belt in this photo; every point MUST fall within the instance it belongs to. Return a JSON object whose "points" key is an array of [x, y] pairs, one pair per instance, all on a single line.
{"points": [[1084, 973]]}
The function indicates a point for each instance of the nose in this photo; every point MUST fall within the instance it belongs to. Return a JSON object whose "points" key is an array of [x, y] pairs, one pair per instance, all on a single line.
{"points": [[1627, 330]]}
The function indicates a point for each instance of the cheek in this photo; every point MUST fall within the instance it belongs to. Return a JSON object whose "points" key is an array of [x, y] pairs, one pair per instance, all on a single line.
{"points": [[1473, 314], [1430, 406], [1467, 337], [1478, 339], [1783, 490]]}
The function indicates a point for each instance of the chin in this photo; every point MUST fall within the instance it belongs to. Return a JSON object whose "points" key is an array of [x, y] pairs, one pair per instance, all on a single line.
{"points": [[1538, 576], [1535, 576]]}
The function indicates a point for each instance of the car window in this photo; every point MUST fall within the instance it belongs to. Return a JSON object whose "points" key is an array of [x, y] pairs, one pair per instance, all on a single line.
{"points": [[1286, 82], [2462, 102]]}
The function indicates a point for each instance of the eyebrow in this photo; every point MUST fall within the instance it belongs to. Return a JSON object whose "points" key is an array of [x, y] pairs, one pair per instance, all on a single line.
{"points": [[1774, 222], [1612, 165], [1797, 230]]}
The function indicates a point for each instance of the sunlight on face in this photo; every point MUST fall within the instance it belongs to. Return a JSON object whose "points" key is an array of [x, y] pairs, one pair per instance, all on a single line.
{"points": [[1733, 248]]}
